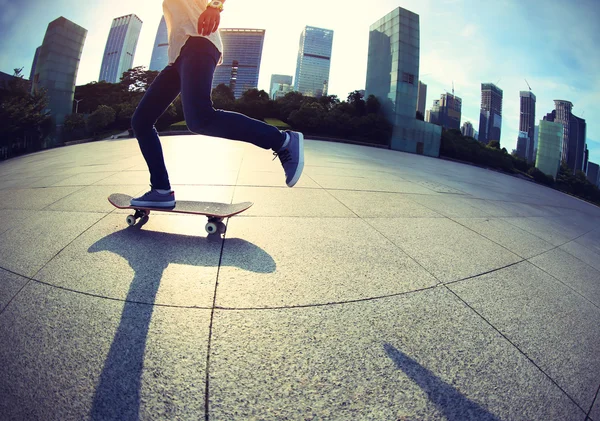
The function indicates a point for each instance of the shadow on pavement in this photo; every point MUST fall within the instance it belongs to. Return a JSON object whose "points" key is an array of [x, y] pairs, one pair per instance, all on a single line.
{"points": [[453, 404], [149, 253]]}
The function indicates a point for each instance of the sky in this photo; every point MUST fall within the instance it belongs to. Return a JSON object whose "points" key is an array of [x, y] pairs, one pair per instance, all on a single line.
{"points": [[554, 45]]}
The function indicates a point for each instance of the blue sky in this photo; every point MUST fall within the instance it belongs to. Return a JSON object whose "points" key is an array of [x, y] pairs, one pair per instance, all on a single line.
{"points": [[551, 43]]}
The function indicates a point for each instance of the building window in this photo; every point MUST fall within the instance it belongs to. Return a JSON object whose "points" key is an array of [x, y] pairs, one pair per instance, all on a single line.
{"points": [[408, 78]]}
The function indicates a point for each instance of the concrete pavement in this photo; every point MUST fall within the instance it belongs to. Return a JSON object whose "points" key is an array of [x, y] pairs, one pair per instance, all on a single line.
{"points": [[384, 286]]}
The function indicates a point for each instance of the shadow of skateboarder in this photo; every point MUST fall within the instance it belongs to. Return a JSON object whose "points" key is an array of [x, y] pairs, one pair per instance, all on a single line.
{"points": [[149, 253]]}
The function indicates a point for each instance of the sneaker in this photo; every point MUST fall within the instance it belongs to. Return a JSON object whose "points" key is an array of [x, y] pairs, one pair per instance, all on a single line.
{"points": [[154, 199], [292, 158]]}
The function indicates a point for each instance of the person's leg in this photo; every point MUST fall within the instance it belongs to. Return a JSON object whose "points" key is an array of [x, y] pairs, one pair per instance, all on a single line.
{"points": [[161, 93], [196, 68]]}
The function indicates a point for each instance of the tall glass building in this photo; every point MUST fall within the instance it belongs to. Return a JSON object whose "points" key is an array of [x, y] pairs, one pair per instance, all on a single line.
{"points": [[549, 147], [314, 61], [120, 48], [57, 66], [446, 112], [280, 86], [527, 121], [241, 59], [392, 77], [160, 52], [490, 116], [574, 134]]}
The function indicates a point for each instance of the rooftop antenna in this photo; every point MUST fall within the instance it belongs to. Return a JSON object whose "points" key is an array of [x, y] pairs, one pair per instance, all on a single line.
{"points": [[452, 88], [528, 85], [498, 81]]}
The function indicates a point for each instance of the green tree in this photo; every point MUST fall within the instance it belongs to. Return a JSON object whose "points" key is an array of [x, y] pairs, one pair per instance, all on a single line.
{"points": [[101, 119], [24, 123], [94, 94], [138, 79], [292, 101], [309, 118], [372, 105], [355, 98], [223, 97], [255, 104], [495, 144]]}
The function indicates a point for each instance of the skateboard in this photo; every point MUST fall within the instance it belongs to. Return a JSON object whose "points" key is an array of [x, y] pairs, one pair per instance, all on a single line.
{"points": [[215, 212]]}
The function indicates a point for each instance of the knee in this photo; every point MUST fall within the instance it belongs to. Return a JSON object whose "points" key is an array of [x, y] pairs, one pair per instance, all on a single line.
{"points": [[138, 124], [200, 120]]}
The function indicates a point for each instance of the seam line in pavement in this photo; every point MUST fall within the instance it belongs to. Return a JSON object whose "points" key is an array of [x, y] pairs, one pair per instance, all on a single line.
{"points": [[29, 279], [587, 416], [514, 345]]}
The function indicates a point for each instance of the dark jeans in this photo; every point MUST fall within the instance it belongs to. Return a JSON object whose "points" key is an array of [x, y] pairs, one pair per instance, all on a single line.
{"points": [[192, 75]]}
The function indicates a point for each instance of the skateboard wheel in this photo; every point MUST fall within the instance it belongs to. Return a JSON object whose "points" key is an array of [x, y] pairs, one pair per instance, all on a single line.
{"points": [[222, 228], [211, 228], [130, 220]]}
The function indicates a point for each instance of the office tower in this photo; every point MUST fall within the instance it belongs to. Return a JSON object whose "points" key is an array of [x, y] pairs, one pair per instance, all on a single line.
{"points": [[536, 131], [527, 121], [160, 52], [57, 65], [523, 146], [280, 86], [392, 77], [586, 158], [490, 116], [467, 129], [549, 147], [35, 60], [446, 111], [421, 98], [241, 59], [314, 61], [120, 48], [574, 134], [593, 173]]}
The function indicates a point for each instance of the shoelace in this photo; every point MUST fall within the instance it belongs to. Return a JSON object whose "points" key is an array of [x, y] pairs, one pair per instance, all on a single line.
{"points": [[284, 156]]}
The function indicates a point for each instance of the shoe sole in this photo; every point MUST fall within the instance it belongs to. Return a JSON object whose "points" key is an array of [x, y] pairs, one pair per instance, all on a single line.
{"points": [[300, 166]]}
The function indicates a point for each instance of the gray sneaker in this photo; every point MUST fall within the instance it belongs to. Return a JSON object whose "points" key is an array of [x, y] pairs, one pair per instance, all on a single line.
{"points": [[154, 199], [292, 158]]}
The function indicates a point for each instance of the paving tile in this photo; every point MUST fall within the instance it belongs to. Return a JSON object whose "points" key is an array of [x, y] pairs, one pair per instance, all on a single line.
{"points": [[422, 356], [12, 218], [591, 240], [167, 261], [50, 181], [283, 202], [520, 242], [453, 206], [272, 179], [578, 275], [10, 285], [583, 253], [71, 356], [29, 246], [17, 182], [544, 228], [385, 184], [34, 199], [548, 321], [311, 261], [85, 179], [446, 249], [93, 198], [125, 178], [379, 204]]}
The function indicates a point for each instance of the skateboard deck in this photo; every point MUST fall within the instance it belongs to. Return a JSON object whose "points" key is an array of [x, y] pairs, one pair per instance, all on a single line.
{"points": [[215, 212]]}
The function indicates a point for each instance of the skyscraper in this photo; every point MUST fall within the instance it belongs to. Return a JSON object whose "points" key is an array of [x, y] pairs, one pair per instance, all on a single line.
{"points": [[549, 147], [57, 65], [421, 98], [490, 116], [446, 111], [280, 86], [527, 121], [314, 61], [467, 129], [34, 64], [241, 59], [523, 146], [574, 134], [120, 48], [392, 77], [160, 52], [593, 173]]}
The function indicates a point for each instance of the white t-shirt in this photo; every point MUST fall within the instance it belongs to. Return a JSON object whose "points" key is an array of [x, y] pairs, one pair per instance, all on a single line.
{"points": [[181, 17]]}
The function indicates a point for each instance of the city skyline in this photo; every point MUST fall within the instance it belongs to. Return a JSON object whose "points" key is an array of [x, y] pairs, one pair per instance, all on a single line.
{"points": [[558, 65]]}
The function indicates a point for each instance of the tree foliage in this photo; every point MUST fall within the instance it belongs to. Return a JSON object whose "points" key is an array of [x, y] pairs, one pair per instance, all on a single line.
{"points": [[24, 123]]}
